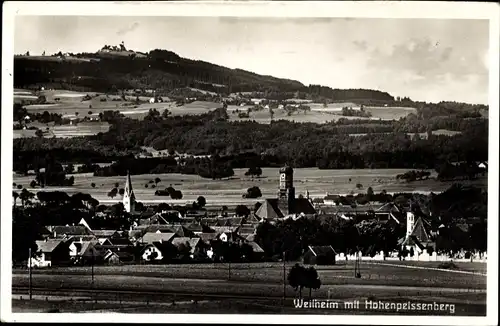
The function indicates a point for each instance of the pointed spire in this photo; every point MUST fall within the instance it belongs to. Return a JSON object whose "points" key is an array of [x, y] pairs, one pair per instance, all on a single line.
{"points": [[129, 192]]}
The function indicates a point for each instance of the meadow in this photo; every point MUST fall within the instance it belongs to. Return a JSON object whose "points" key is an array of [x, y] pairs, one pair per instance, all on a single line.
{"points": [[318, 113], [257, 282], [230, 191], [70, 105]]}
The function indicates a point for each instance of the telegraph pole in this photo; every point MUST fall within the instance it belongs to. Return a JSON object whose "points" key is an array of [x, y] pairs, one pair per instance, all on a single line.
{"points": [[284, 278], [29, 270]]}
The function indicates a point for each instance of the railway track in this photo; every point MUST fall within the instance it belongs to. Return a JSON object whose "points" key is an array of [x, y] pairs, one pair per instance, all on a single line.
{"points": [[123, 294]]}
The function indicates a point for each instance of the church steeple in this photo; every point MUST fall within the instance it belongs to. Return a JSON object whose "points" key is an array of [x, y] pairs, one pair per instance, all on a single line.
{"points": [[129, 196]]}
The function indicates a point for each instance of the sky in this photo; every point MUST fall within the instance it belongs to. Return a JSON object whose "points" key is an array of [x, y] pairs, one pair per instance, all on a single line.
{"points": [[424, 59]]}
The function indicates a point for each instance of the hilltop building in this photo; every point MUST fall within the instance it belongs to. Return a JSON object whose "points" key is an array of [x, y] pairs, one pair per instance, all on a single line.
{"points": [[129, 196], [285, 205]]}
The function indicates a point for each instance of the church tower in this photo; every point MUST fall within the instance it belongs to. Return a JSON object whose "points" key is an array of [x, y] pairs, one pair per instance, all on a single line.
{"points": [[128, 196], [286, 194]]}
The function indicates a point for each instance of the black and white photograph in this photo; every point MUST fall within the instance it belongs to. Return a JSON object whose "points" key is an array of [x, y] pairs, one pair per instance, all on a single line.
{"points": [[325, 162]]}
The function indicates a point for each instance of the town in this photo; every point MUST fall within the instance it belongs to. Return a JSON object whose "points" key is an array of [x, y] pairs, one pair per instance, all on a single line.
{"points": [[148, 180], [196, 233]]}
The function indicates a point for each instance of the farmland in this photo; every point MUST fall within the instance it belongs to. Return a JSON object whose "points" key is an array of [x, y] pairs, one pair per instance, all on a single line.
{"points": [[228, 191], [260, 281], [70, 105], [318, 113]]}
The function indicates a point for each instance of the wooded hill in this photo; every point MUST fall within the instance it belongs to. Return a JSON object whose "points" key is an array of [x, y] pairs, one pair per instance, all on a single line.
{"points": [[163, 71]]}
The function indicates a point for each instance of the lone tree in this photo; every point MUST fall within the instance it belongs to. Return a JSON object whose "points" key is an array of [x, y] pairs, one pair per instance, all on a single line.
{"points": [[157, 180], [253, 192], [312, 280], [296, 278], [201, 201], [369, 192], [121, 191], [300, 277], [242, 210], [92, 185]]}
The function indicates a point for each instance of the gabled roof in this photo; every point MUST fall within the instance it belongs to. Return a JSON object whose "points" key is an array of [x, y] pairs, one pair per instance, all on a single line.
{"points": [[193, 242], [252, 219], [207, 237], [151, 237], [49, 245], [303, 205], [388, 207], [69, 230], [322, 250], [250, 238], [195, 227], [105, 233], [255, 246], [420, 232], [83, 247], [221, 229], [250, 229], [120, 241], [269, 210]]}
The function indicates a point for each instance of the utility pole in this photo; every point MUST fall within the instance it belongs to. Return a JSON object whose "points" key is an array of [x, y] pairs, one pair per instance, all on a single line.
{"points": [[284, 278], [92, 284], [29, 271]]}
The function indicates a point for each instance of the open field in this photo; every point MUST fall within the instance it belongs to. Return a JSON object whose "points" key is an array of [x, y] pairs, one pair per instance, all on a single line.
{"points": [[318, 113], [255, 282], [221, 192], [374, 273], [68, 103], [422, 135]]}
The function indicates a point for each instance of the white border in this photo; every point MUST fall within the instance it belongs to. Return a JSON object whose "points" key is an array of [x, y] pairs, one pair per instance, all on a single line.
{"points": [[375, 9]]}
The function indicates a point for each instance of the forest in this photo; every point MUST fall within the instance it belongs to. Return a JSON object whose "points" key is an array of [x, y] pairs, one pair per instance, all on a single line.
{"points": [[165, 71], [240, 144]]}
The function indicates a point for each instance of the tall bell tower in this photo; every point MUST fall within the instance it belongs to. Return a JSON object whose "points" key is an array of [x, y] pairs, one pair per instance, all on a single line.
{"points": [[286, 193], [129, 196]]}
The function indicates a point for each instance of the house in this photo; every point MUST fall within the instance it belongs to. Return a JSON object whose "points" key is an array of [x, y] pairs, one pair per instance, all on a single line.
{"points": [[152, 237], [157, 251], [230, 237], [105, 234], [51, 252], [319, 255], [247, 229], [272, 209], [389, 212], [111, 257], [207, 237], [418, 235], [194, 244], [318, 201], [226, 229], [84, 251], [196, 228], [330, 200]]}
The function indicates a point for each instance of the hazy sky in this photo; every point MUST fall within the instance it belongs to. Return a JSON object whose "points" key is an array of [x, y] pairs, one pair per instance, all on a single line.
{"points": [[425, 59]]}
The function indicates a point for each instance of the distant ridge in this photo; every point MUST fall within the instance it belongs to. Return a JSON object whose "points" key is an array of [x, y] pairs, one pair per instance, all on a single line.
{"points": [[116, 68]]}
